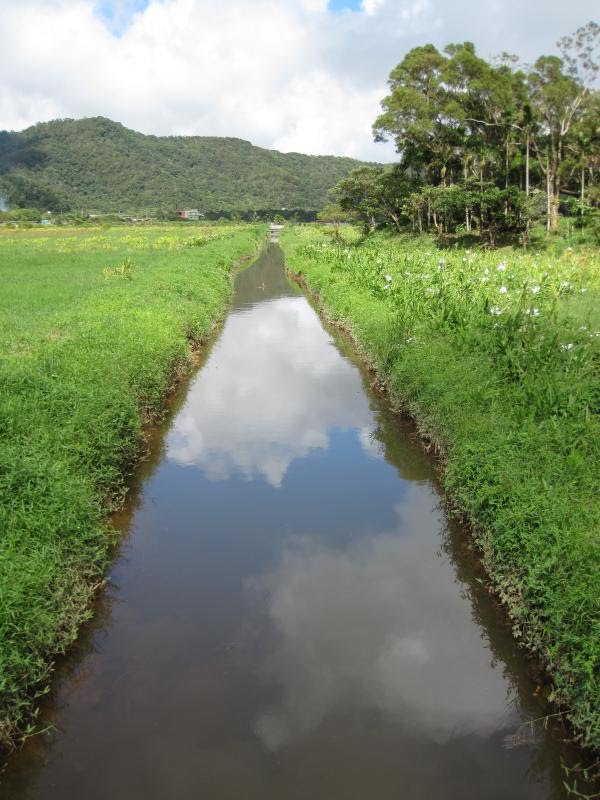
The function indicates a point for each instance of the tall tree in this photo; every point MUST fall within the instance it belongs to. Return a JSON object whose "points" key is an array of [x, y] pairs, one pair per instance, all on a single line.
{"points": [[561, 91], [584, 147], [413, 113], [557, 98]]}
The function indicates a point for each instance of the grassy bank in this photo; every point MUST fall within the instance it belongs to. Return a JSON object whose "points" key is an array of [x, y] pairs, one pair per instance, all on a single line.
{"points": [[496, 355], [94, 329]]}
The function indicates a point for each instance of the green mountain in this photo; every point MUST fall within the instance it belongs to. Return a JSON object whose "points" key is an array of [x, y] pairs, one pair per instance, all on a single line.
{"points": [[99, 165]]}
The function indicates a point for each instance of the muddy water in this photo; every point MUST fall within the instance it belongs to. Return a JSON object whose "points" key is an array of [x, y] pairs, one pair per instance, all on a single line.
{"points": [[290, 614]]}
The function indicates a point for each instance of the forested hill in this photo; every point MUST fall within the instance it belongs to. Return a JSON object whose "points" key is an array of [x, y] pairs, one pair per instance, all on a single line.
{"points": [[99, 165]]}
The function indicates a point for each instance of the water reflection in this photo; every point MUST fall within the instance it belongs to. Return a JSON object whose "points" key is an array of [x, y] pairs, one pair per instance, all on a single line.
{"points": [[273, 390], [379, 626]]}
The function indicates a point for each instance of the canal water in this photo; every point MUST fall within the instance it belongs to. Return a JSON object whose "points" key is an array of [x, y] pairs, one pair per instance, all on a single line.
{"points": [[290, 614]]}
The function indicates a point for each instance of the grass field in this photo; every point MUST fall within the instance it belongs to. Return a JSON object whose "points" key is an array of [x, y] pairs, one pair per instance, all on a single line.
{"points": [[496, 355], [94, 327]]}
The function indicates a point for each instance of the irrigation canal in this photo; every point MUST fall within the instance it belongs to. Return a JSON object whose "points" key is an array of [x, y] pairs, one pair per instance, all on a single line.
{"points": [[290, 613]]}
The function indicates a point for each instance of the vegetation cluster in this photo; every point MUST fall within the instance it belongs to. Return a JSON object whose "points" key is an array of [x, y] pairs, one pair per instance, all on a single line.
{"points": [[486, 149], [496, 355], [96, 165], [94, 329]]}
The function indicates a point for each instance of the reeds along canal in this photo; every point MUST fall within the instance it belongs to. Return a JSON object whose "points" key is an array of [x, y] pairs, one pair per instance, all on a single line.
{"points": [[290, 614]]}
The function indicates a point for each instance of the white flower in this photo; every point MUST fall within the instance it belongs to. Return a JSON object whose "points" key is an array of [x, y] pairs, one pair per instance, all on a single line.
{"points": [[535, 289], [568, 346], [583, 290], [565, 284], [535, 312], [388, 278], [503, 290], [495, 311], [502, 266], [486, 271]]}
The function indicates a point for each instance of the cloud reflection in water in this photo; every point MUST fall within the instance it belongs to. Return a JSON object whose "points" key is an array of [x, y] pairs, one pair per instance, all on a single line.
{"points": [[379, 626], [278, 370]]}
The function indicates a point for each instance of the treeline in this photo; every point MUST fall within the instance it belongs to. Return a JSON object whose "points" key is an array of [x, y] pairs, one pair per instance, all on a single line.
{"points": [[486, 147], [30, 216]]}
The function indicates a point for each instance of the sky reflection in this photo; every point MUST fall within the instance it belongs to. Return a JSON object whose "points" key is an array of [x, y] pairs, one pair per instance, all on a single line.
{"points": [[272, 391], [379, 626]]}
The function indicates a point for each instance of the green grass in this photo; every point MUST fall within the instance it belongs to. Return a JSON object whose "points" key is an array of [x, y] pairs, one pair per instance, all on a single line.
{"points": [[94, 328], [496, 355]]}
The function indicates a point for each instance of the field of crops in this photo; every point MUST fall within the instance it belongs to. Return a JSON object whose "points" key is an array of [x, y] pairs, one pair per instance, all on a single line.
{"points": [[496, 354], [94, 327]]}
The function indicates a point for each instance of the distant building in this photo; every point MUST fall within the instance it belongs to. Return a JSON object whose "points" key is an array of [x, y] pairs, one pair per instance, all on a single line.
{"points": [[190, 213]]}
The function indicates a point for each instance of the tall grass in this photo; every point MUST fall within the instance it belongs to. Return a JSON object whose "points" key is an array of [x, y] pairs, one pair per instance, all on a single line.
{"points": [[93, 329], [496, 355]]}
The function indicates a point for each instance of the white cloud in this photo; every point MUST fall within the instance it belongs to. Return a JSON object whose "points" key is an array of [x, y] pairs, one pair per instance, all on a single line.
{"points": [[282, 73], [371, 6]]}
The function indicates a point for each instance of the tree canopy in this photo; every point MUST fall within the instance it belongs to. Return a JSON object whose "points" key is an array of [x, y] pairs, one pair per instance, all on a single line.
{"points": [[485, 145]]}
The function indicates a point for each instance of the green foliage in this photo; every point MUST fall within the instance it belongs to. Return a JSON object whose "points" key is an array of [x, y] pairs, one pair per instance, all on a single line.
{"points": [[99, 165], [458, 120], [496, 354], [88, 351], [375, 194], [333, 214]]}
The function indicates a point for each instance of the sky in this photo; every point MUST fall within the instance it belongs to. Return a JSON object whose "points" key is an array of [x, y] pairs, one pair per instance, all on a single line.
{"points": [[292, 75]]}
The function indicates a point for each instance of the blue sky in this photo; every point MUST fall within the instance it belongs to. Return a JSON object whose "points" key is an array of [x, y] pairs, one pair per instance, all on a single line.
{"points": [[117, 14], [343, 5]]}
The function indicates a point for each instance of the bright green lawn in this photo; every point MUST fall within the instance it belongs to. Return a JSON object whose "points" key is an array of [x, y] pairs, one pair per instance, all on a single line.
{"points": [[496, 354], [88, 348]]}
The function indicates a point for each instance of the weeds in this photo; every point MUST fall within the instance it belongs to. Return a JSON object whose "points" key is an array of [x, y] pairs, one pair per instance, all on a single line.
{"points": [[124, 270], [584, 776]]}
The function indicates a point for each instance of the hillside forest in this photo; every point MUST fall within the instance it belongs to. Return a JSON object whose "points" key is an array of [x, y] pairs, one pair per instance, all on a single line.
{"points": [[98, 166]]}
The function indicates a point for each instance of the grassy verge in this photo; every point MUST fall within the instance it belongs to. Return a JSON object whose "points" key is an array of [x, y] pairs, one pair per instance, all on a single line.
{"points": [[94, 327], [496, 355]]}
